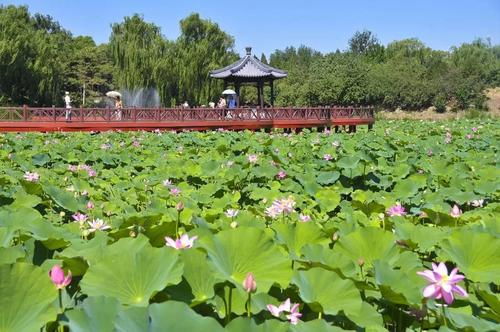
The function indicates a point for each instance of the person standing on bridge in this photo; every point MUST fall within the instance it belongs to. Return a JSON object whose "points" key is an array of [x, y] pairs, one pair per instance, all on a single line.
{"points": [[67, 101], [118, 106]]}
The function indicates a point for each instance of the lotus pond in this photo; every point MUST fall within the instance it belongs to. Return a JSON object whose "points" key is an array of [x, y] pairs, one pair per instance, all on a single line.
{"points": [[243, 231]]}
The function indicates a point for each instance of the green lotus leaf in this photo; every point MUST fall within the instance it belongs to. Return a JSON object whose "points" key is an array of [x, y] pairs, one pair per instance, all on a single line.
{"points": [[465, 320], [475, 254], [403, 286], [236, 252], [40, 159], [26, 297], [62, 198], [295, 236], [199, 274], [22, 199], [348, 162], [328, 199], [132, 319], [135, 276], [96, 314], [326, 178], [341, 264], [91, 250], [369, 244], [177, 316], [28, 220], [424, 237], [11, 255], [242, 324], [326, 291]]}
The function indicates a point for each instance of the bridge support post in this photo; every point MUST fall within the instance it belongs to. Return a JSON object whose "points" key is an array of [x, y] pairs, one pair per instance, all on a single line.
{"points": [[370, 126]]}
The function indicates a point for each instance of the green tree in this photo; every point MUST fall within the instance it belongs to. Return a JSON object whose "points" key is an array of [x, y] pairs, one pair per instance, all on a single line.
{"points": [[136, 47]]}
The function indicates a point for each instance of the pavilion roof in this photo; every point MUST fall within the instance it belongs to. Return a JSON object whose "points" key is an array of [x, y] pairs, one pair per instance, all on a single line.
{"points": [[248, 67]]}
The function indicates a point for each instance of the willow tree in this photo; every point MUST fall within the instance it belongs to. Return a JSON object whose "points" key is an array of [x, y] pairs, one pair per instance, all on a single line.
{"points": [[136, 46], [201, 47]]}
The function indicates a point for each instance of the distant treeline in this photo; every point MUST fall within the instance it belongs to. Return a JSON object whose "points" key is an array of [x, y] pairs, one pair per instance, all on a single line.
{"points": [[39, 60]]}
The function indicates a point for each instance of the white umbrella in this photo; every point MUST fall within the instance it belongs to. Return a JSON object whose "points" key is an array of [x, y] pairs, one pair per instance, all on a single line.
{"points": [[113, 94], [228, 92]]}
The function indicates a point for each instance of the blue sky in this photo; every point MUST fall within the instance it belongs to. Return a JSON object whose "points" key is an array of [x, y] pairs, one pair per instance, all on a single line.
{"points": [[325, 25]]}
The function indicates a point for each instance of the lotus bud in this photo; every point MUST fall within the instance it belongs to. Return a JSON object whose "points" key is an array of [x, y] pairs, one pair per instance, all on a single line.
{"points": [[249, 283], [455, 211], [62, 213], [57, 276], [361, 261], [180, 206], [234, 224], [335, 236]]}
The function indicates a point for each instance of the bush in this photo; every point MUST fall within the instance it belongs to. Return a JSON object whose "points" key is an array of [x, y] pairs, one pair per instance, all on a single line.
{"points": [[440, 103]]}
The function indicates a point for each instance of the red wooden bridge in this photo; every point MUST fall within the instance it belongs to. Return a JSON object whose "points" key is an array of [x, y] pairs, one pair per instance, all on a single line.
{"points": [[20, 119]]}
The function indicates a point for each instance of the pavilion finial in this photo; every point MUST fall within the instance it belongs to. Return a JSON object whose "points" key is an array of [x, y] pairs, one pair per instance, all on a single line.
{"points": [[249, 50]]}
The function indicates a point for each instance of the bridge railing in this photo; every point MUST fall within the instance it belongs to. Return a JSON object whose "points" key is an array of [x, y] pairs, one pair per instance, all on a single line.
{"points": [[54, 114]]}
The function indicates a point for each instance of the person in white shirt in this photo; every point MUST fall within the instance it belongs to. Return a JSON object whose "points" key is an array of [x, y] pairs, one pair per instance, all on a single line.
{"points": [[67, 101]]}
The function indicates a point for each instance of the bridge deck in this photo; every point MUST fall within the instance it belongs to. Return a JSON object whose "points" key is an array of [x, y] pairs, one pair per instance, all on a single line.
{"points": [[98, 119]]}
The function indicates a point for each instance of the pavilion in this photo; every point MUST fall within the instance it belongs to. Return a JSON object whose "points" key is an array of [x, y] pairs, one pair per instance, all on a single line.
{"points": [[249, 70]]}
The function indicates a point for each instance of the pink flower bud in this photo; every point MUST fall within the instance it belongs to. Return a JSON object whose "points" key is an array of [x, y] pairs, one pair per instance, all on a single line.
{"points": [[249, 283], [57, 276], [179, 206]]}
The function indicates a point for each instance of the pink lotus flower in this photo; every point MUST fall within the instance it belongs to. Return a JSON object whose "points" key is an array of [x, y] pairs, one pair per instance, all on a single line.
{"points": [[252, 159], [469, 136], [90, 205], [327, 157], [167, 183], [474, 129], [175, 191], [273, 211], [455, 211], [72, 168], [136, 144], [231, 213], [249, 284], [98, 225], [281, 175], [336, 144], [441, 284], [304, 218], [91, 173], [57, 276], [279, 206], [79, 217], [31, 176], [286, 307], [396, 210], [85, 167], [85, 193], [182, 243], [430, 153]]}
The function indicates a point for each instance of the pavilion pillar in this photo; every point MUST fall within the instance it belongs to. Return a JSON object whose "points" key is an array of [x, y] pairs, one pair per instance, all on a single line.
{"points": [[237, 90], [272, 93], [260, 90]]}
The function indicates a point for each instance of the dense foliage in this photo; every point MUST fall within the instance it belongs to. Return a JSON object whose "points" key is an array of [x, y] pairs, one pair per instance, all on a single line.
{"points": [[39, 60], [405, 74], [339, 224]]}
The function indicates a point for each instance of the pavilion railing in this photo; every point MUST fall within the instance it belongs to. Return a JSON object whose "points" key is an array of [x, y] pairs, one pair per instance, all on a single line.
{"points": [[54, 114]]}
